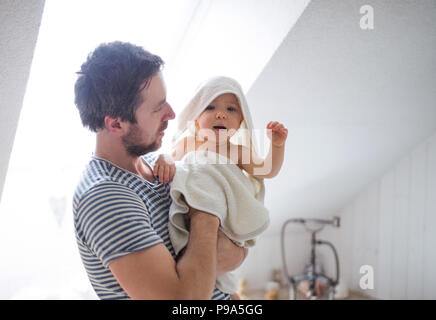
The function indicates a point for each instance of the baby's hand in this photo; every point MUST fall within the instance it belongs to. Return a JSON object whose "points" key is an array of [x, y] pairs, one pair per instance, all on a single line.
{"points": [[278, 133], [164, 168]]}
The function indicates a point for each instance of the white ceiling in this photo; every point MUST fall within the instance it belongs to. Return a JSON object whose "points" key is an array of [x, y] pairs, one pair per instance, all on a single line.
{"points": [[227, 37], [354, 101]]}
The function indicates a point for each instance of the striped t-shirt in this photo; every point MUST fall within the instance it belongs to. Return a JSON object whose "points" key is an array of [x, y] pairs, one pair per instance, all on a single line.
{"points": [[115, 213]]}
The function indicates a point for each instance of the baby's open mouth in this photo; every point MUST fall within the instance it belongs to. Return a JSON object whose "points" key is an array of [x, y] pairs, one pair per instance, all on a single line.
{"points": [[219, 127]]}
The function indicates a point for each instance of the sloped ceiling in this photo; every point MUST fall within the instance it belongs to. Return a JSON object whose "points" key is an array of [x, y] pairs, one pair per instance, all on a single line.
{"points": [[20, 20], [355, 101]]}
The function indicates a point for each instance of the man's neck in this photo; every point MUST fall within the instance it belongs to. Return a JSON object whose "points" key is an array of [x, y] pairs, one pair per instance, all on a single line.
{"points": [[116, 153]]}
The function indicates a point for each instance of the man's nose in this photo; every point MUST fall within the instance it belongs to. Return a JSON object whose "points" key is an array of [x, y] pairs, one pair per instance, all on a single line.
{"points": [[170, 115], [220, 115]]}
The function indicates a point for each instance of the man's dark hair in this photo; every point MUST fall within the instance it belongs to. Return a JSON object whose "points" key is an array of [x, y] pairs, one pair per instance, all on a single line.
{"points": [[110, 81]]}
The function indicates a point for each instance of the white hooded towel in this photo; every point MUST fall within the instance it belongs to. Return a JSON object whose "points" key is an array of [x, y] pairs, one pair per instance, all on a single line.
{"points": [[219, 188], [222, 189]]}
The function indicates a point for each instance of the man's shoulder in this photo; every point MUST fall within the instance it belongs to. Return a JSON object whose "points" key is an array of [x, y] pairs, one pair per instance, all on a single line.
{"points": [[101, 175], [97, 175], [96, 171]]}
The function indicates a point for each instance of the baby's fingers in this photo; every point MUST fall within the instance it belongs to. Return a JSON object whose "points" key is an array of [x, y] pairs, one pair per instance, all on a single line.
{"points": [[271, 124], [166, 176], [156, 169], [172, 172], [161, 173], [278, 127]]}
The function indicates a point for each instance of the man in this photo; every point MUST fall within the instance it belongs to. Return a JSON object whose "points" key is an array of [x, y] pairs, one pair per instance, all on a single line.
{"points": [[120, 208]]}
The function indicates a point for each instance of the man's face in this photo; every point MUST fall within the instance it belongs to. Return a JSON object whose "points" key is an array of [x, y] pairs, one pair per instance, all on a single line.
{"points": [[152, 118]]}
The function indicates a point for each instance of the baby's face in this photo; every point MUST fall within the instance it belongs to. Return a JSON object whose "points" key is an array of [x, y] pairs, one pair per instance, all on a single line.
{"points": [[223, 113]]}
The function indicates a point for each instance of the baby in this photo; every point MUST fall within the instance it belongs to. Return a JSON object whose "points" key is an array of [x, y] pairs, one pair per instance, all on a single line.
{"points": [[216, 128], [223, 117]]}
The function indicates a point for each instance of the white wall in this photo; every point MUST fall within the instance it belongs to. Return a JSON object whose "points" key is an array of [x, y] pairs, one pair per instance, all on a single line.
{"points": [[354, 101], [266, 255], [391, 226]]}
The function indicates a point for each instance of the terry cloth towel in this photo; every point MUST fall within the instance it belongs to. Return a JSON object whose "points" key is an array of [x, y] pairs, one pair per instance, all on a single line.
{"points": [[212, 183], [206, 93]]}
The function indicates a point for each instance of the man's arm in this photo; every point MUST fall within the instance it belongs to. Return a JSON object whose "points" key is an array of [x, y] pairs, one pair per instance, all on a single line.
{"points": [[153, 274], [229, 255]]}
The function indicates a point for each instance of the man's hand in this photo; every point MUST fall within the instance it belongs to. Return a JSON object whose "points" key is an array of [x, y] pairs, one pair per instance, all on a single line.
{"points": [[164, 168], [229, 255], [235, 296]]}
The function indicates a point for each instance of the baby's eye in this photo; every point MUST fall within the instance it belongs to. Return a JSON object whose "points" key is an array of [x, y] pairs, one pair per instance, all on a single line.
{"points": [[210, 108], [231, 109]]}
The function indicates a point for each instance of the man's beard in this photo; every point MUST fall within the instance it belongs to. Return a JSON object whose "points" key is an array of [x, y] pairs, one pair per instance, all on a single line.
{"points": [[133, 148]]}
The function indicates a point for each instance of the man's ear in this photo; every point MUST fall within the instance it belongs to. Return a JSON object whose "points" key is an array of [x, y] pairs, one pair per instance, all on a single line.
{"points": [[115, 126]]}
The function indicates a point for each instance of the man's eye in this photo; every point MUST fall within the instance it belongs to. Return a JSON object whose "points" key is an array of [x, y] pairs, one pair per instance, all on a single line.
{"points": [[210, 107]]}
